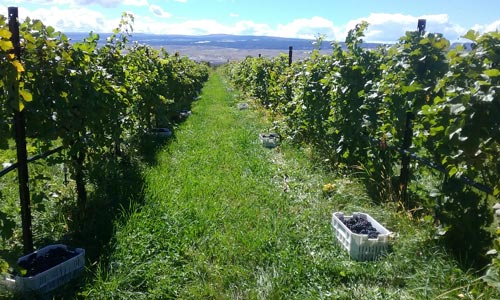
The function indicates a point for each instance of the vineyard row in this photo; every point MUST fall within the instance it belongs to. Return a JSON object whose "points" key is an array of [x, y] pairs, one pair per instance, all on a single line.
{"points": [[91, 100], [355, 105]]}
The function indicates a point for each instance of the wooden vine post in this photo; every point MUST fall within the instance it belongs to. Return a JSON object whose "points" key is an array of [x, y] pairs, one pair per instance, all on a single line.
{"points": [[20, 136], [404, 176], [290, 53]]}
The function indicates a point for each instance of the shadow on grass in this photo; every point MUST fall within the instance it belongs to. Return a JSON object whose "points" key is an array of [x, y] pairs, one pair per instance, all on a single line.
{"points": [[115, 190]]}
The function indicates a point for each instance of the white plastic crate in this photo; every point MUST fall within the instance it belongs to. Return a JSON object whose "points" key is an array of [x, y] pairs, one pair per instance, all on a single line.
{"points": [[270, 140], [359, 246], [54, 277], [162, 132]]}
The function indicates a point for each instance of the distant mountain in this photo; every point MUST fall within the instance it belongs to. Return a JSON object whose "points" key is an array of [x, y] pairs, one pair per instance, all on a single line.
{"points": [[246, 42], [222, 48]]}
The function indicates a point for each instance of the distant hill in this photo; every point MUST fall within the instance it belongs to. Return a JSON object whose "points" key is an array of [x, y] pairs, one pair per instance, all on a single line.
{"points": [[222, 48], [244, 42], [247, 42]]}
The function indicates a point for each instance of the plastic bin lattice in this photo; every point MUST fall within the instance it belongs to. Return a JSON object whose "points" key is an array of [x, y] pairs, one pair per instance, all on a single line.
{"points": [[54, 277], [359, 246]]}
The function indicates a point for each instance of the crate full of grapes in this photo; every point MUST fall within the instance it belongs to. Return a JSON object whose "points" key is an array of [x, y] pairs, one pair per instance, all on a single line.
{"points": [[361, 235], [49, 268], [270, 140]]}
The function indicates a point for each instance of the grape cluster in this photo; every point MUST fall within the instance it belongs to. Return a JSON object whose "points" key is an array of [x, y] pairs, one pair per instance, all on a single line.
{"points": [[360, 225], [37, 263]]}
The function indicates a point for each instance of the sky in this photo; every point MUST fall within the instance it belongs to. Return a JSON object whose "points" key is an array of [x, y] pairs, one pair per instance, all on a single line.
{"points": [[388, 19]]}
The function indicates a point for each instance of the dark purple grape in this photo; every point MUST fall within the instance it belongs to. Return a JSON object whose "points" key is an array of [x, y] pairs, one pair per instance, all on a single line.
{"points": [[37, 263], [360, 225]]}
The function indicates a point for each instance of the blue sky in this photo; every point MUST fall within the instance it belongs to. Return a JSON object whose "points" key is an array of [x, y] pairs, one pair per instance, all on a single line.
{"points": [[388, 19]]}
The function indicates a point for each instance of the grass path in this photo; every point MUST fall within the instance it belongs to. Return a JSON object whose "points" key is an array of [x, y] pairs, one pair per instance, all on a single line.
{"points": [[220, 222]]}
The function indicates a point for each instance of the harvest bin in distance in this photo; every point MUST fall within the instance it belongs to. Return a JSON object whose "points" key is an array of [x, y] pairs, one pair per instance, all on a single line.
{"points": [[54, 277], [359, 246], [270, 140]]}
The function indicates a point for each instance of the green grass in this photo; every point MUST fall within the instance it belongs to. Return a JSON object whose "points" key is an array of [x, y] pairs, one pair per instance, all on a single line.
{"points": [[115, 186], [225, 218]]}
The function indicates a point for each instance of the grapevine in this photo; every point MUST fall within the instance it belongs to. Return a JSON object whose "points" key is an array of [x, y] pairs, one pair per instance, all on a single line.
{"points": [[351, 107], [92, 100]]}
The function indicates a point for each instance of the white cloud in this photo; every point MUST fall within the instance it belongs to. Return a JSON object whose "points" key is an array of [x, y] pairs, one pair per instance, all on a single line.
{"points": [[159, 12], [72, 19], [191, 27], [306, 28], [136, 2], [382, 28], [69, 16], [495, 26], [390, 27], [234, 15], [105, 3], [251, 28], [43, 2], [75, 3]]}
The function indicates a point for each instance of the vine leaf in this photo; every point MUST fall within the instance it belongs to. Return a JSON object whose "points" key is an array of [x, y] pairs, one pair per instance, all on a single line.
{"points": [[5, 45], [471, 35], [17, 64], [27, 96], [492, 72], [7, 226], [5, 33]]}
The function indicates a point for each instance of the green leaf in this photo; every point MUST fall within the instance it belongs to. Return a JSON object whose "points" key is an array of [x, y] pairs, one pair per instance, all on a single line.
{"points": [[17, 64], [4, 267], [37, 25], [29, 38], [411, 88], [66, 57], [7, 228], [436, 130], [424, 41], [5, 45], [483, 83], [471, 35], [427, 110], [438, 100], [442, 44], [27, 96], [492, 278], [5, 33], [492, 72], [452, 171]]}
